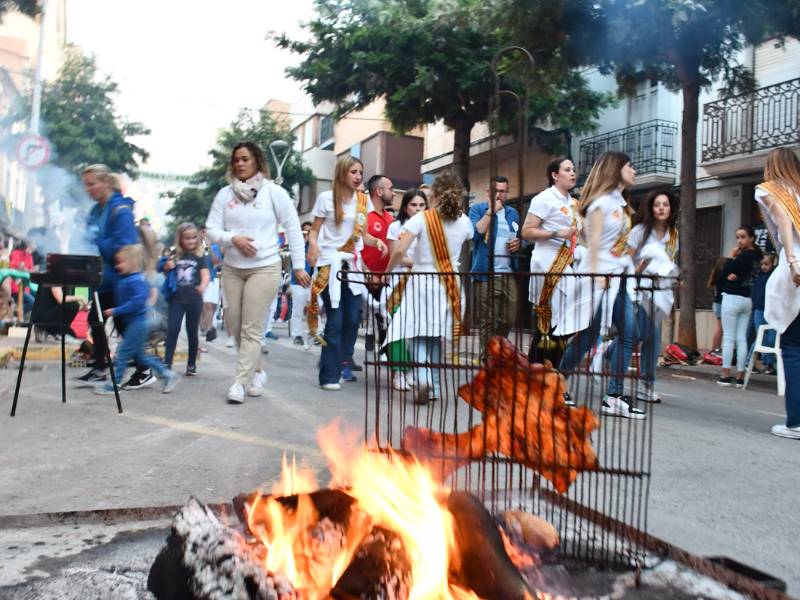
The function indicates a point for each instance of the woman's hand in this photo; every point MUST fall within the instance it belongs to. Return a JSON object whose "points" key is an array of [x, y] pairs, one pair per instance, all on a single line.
{"points": [[312, 254], [732, 277], [566, 233], [302, 277], [109, 312], [244, 244], [794, 269], [382, 247], [168, 266]]}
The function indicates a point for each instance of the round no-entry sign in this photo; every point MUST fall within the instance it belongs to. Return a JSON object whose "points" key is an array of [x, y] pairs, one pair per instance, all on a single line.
{"points": [[33, 151]]}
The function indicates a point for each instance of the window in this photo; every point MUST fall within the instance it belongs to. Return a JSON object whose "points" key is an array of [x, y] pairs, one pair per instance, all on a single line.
{"points": [[325, 130], [355, 150]]}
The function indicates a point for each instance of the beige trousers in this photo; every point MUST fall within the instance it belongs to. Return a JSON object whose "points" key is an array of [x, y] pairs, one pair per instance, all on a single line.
{"points": [[248, 293]]}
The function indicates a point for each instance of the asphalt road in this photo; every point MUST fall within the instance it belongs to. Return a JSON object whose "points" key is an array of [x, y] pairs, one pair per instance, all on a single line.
{"points": [[721, 485]]}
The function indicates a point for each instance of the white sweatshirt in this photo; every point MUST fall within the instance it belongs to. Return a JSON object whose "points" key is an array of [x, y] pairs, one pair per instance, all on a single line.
{"points": [[257, 219]]}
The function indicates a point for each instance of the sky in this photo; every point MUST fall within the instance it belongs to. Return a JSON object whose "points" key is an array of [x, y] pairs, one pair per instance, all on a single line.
{"points": [[185, 67]]}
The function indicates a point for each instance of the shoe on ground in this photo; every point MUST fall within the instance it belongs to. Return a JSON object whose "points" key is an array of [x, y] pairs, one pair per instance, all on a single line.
{"points": [[400, 383], [211, 334], [104, 389], [298, 340], [757, 371], [769, 370], [270, 336], [191, 371], [171, 382], [619, 406], [725, 381], [230, 342], [347, 374], [236, 394], [331, 387], [648, 394], [423, 395], [93, 376], [139, 380], [256, 387], [740, 383], [569, 400], [786, 432]]}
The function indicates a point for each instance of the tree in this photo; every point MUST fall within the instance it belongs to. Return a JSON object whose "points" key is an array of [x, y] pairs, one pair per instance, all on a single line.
{"points": [[261, 127], [82, 123], [687, 44], [430, 60]]}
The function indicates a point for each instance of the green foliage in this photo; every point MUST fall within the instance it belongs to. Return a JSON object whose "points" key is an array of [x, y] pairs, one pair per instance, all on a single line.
{"points": [[430, 60], [259, 127], [79, 118]]}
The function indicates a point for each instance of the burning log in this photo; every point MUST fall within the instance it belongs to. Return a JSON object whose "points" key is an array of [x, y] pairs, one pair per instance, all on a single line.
{"points": [[206, 560], [525, 418]]}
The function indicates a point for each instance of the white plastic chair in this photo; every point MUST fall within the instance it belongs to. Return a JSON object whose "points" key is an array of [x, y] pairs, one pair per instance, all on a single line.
{"points": [[776, 350]]}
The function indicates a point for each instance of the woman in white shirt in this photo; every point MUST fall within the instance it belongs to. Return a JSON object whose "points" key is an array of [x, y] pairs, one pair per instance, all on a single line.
{"points": [[338, 233], [414, 201], [244, 219], [779, 196], [551, 224], [653, 244], [606, 224], [431, 310]]}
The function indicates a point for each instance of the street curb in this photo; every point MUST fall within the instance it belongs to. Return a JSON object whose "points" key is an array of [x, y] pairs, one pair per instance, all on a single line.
{"points": [[711, 374], [53, 353]]}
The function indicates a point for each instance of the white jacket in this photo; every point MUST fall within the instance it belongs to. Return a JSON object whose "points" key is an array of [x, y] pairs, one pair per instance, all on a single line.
{"points": [[259, 220]]}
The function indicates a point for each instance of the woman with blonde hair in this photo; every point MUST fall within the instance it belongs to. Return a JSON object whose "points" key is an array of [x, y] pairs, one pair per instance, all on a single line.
{"points": [[779, 197], [606, 225], [337, 235], [431, 308], [244, 220]]}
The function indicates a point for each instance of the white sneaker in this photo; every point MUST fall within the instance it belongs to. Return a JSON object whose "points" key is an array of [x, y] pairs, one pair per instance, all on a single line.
{"points": [[331, 387], [256, 387], [236, 394], [617, 406], [400, 383], [648, 394], [786, 432], [230, 342]]}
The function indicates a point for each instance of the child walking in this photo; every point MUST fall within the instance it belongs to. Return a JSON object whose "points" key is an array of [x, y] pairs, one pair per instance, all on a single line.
{"points": [[131, 294], [187, 275]]}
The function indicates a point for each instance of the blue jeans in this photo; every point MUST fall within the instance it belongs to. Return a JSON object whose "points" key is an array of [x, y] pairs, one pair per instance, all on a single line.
{"points": [[790, 350], [132, 348], [174, 319], [426, 351], [341, 332], [649, 334], [624, 318], [769, 338], [735, 320]]}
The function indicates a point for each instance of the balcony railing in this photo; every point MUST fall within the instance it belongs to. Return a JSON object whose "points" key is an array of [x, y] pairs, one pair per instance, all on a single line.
{"points": [[767, 118], [650, 145]]}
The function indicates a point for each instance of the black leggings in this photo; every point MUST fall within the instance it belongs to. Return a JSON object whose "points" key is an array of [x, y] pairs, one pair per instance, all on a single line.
{"points": [[174, 317]]}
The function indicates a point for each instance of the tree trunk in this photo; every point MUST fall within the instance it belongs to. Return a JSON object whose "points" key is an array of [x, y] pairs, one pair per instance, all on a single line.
{"points": [[687, 334], [461, 134]]}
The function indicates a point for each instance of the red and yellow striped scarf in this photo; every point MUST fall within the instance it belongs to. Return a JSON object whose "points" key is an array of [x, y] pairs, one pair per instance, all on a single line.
{"points": [[444, 266], [785, 198]]}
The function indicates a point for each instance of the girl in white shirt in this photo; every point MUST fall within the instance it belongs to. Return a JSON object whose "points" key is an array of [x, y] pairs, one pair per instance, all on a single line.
{"points": [[244, 219], [426, 316], [606, 224], [551, 224], [338, 233]]}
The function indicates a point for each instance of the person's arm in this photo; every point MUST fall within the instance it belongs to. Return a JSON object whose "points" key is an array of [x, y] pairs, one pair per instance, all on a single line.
{"points": [[312, 253], [139, 297], [532, 230], [215, 222], [205, 274], [121, 231], [287, 214], [786, 233], [480, 216], [371, 240], [399, 249], [596, 221], [739, 267]]}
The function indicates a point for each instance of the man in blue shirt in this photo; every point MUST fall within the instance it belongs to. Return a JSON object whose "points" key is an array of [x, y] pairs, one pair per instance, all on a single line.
{"points": [[496, 304]]}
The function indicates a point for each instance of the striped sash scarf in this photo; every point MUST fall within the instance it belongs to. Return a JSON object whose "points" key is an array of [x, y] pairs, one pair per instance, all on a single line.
{"points": [[786, 199], [444, 266], [544, 312]]}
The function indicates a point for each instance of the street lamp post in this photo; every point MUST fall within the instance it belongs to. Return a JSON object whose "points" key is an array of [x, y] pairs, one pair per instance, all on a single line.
{"points": [[275, 148]]}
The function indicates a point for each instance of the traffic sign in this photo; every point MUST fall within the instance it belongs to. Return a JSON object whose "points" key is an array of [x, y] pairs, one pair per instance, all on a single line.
{"points": [[33, 151]]}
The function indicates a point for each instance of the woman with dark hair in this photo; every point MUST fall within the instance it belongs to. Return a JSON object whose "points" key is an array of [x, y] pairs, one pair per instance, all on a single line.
{"points": [[431, 309], [737, 275], [414, 201], [606, 226], [779, 196], [653, 244], [244, 219], [337, 236], [551, 224]]}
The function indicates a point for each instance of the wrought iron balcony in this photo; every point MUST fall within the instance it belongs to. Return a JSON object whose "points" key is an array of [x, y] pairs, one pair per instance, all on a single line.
{"points": [[651, 146], [747, 123]]}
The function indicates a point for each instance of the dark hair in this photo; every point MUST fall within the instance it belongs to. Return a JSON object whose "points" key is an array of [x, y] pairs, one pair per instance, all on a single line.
{"points": [[644, 215], [21, 244], [499, 179], [261, 162], [449, 193], [410, 194], [554, 167], [304, 223], [748, 229], [374, 182]]}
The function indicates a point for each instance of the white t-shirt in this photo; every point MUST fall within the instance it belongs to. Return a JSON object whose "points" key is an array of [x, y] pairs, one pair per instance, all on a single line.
{"points": [[612, 206], [502, 261], [635, 240], [331, 237], [457, 232], [395, 229], [555, 212]]}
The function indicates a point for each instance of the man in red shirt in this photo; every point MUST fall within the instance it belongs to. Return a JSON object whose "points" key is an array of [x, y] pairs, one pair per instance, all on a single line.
{"points": [[381, 192]]}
